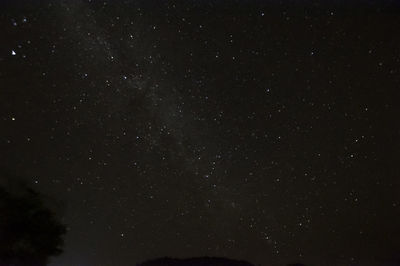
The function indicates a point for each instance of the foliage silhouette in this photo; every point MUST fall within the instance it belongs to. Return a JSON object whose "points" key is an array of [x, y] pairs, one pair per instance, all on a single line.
{"points": [[29, 231]]}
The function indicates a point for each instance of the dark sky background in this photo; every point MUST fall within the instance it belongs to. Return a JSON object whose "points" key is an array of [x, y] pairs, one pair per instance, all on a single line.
{"points": [[255, 130]]}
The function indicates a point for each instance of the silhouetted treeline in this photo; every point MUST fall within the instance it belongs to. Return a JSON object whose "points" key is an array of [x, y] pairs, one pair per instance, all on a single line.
{"points": [[203, 261], [29, 231]]}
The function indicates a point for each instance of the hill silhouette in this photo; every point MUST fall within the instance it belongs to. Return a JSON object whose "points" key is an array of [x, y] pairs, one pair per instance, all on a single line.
{"points": [[200, 261]]}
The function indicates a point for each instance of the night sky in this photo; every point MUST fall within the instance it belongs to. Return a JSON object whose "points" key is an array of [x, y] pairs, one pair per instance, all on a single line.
{"points": [[259, 130]]}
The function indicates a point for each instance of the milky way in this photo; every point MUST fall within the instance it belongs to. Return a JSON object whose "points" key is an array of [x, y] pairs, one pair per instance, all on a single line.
{"points": [[253, 130]]}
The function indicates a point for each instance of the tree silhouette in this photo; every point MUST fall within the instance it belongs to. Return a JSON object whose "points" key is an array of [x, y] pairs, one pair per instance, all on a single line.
{"points": [[29, 232]]}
